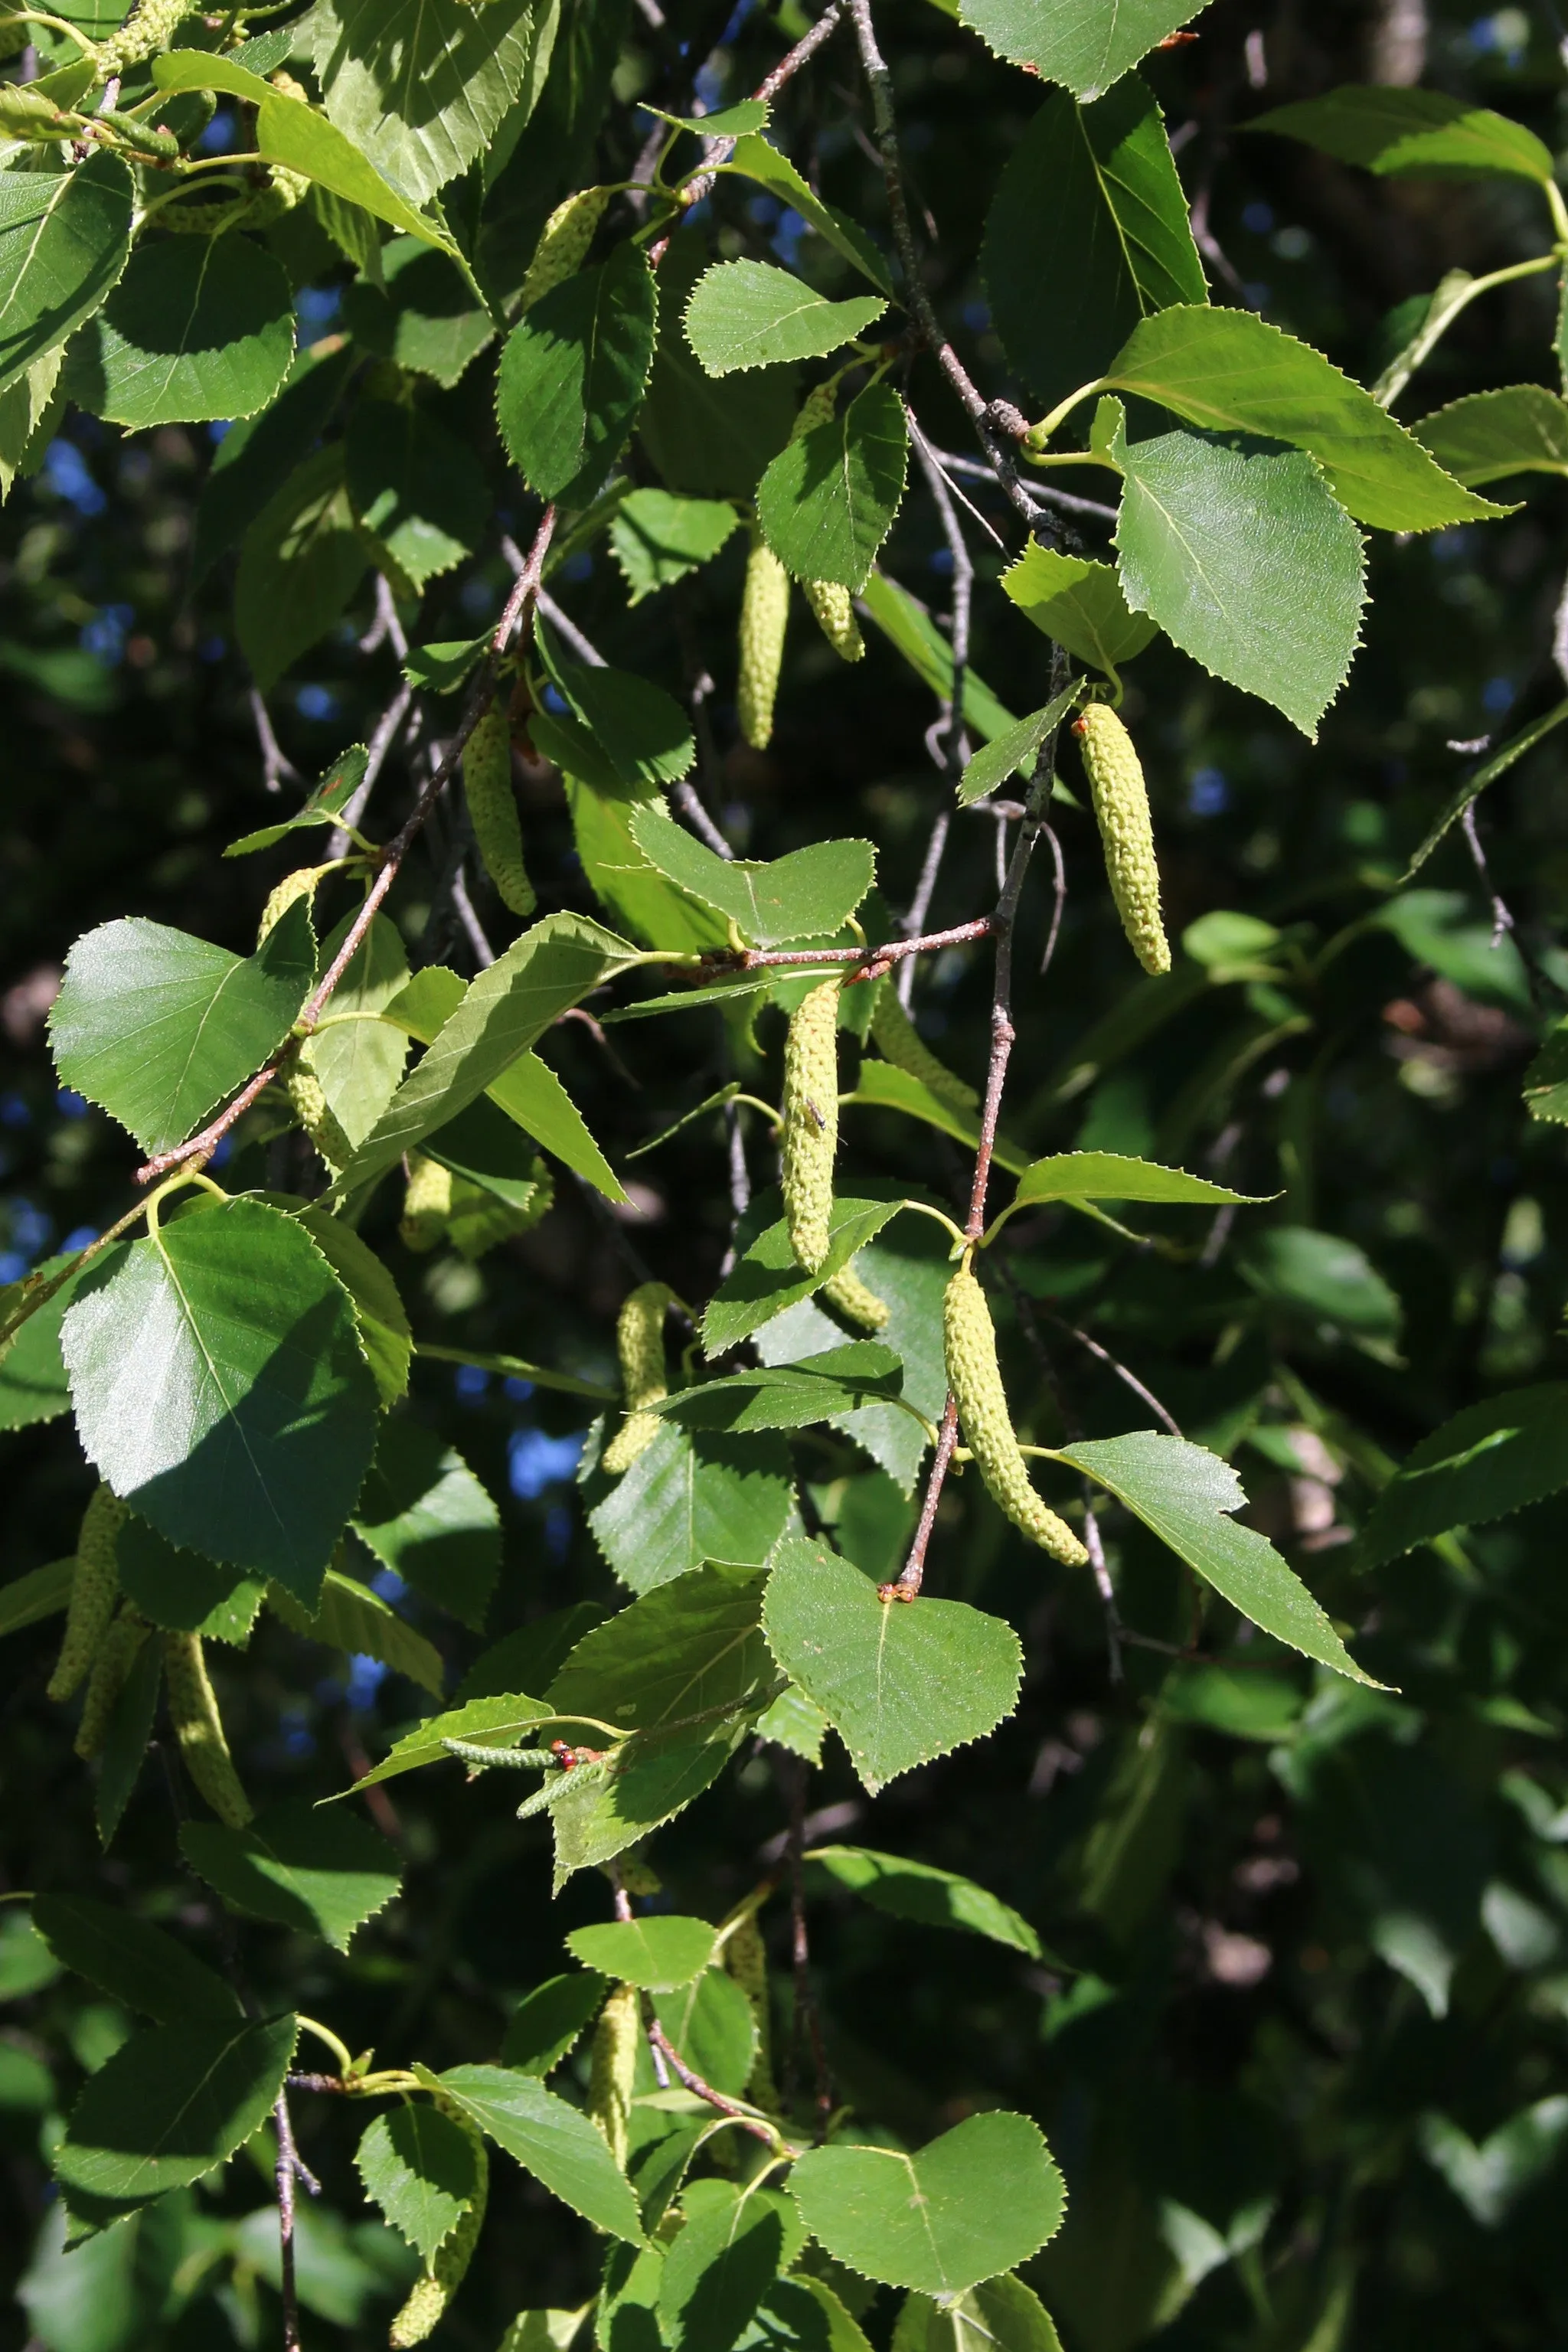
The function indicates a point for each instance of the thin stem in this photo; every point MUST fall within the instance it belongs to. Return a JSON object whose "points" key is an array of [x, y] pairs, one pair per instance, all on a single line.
{"points": [[758, 2125], [1502, 915], [201, 1147]]}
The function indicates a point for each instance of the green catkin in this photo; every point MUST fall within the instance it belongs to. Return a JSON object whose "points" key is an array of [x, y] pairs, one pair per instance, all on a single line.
{"points": [[811, 1123], [95, 1589], [901, 1043], [976, 1379], [746, 1958], [116, 1656], [149, 28], [192, 1712], [856, 1300], [564, 243], [834, 610], [431, 2294], [477, 1220], [639, 1342], [426, 1203], [301, 884], [492, 806], [764, 618], [1121, 799], [308, 1101], [612, 2075]]}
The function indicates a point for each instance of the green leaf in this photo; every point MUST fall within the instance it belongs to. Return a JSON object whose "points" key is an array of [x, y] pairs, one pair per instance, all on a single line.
{"points": [[734, 2243], [132, 1962], [64, 239], [981, 2199], [324, 805], [689, 1498], [1416, 130], [708, 436], [31, 409], [441, 669], [711, 2025], [197, 327], [499, 1722], [658, 539], [421, 90], [183, 1590], [379, 1317], [790, 1395], [302, 562], [33, 1383], [1185, 1494], [534, 1653], [641, 731], [1230, 372], [1086, 44], [420, 2168], [1460, 799], [551, 2021], [220, 1388], [1000, 2315], [424, 1515], [1440, 928], [809, 894], [755, 159], [827, 501], [1521, 430], [1328, 1279], [555, 964], [323, 1874], [555, 2142], [1089, 204], [1114, 1176], [917, 1890], [1246, 562], [909, 627], [899, 1682], [1012, 753], [357, 1621], [173, 2103], [42, 1592], [1081, 605], [656, 1954], [424, 317], [768, 1277], [357, 1059], [884, 1086], [573, 375], [1490, 1460], [749, 314], [262, 451], [420, 490], [290, 132], [158, 1027]]}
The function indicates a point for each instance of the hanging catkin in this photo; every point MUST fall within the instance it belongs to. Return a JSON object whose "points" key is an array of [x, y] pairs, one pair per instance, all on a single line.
{"points": [[430, 2295], [301, 884], [901, 1043], [308, 1101], [811, 1123], [764, 617], [746, 1958], [831, 605], [564, 243], [149, 27], [856, 1300], [612, 2075], [1121, 799], [116, 1656], [976, 1379], [492, 806], [192, 1712], [639, 1342], [95, 1588], [426, 1203]]}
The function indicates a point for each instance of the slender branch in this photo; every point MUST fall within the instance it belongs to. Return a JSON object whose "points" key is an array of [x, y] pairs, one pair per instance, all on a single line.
{"points": [[754, 2124], [201, 1147], [719, 151], [1114, 1364], [277, 768], [381, 742], [951, 727], [1502, 916], [874, 961], [286, 2171]]}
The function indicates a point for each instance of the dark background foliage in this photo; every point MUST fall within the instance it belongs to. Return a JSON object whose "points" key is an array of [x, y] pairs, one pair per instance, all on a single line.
{"points": [[1307, 1945]]}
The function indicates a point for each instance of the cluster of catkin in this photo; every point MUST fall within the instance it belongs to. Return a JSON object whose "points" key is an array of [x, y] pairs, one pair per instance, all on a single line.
{"points": [[764, 609]]}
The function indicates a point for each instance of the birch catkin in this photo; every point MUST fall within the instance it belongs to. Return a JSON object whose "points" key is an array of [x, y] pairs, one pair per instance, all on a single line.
{"points": [[564, 243], [1121, 799], [95, 1588], [111, 1668], [192, 1712], [830, 601], [639, 1342], [430, 2295], [901, 1043], [856, 1300], [976, 1379], [151, 28], [746, 1958], [426, 1203], [764, 618], [811, 1123], [613, 2076], [492, 806]]}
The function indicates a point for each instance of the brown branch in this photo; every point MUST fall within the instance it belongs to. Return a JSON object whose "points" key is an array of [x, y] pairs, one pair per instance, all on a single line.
{"points": [[660, 2042], [200, 1148], [287, 2171], [874, 961]]}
